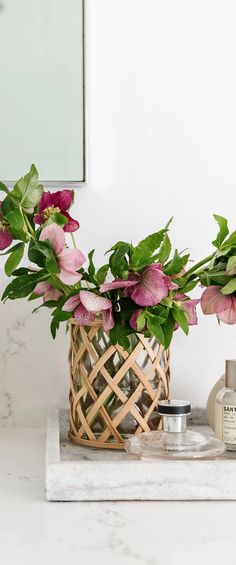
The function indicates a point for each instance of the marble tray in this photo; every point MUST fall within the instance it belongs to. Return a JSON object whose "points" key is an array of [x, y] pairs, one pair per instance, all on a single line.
{"points": [[81, 473]]}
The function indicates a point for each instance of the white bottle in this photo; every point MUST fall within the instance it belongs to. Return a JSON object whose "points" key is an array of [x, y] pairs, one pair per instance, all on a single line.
{"points": [[225, 408]]}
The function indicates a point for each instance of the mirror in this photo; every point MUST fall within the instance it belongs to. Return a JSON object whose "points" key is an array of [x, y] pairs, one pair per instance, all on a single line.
{"points": [[42, 89]]}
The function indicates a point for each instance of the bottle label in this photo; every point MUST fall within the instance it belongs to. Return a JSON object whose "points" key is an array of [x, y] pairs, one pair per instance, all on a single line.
{"points": [[229, 424]]}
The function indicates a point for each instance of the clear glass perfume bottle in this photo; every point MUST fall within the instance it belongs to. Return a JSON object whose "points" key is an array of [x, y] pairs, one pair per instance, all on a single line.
{"points": [[225, 408], [174, 441]]}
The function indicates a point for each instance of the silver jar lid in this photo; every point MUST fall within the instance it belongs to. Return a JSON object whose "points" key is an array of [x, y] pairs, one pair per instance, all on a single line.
{"points": [[174, 407]]}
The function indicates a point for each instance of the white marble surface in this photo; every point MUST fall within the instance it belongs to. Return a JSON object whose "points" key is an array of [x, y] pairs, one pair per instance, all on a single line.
{"points": [[33, 367], [78, 473], [33, 531]]}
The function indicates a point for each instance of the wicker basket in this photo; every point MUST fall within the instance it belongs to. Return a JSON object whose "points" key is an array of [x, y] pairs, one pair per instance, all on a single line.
{"points": [[113, 392]]}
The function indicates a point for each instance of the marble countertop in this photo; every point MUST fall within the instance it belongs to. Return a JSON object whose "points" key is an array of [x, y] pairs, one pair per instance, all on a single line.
{"points": [[33, 531], [78, 473]]}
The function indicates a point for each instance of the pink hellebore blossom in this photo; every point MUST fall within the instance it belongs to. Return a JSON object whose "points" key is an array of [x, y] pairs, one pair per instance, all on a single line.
{"points": [[214, 302], [6, 238], [146, 288], [69, 260], [189, 307], [57, 202], [47, 291], [86, 305]]}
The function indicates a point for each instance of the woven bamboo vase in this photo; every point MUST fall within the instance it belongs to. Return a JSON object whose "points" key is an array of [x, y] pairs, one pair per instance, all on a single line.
{"points": [[113, 392]]}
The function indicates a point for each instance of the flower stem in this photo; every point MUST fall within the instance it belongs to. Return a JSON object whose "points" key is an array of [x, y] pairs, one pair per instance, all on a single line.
{"points": [[73, 239], [29, 226], [198, 265]]}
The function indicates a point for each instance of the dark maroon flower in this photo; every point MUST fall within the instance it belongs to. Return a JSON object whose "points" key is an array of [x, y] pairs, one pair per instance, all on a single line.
{"points": [[6, 238], [56, 202]]}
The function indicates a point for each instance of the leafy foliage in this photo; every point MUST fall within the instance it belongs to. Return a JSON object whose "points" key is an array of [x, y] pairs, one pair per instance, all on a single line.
{"points": [[126, 262], [23, 285]]}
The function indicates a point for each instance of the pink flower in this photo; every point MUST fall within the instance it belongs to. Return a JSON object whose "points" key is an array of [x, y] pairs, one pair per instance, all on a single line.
{"points": [[189, 307], [214, 302], [86, 305], [6, 238], [56, 202], [47, 291], [69, 260], [147, 288]]}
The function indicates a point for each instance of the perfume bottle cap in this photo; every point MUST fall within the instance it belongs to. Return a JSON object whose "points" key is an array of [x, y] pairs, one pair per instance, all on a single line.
{"points": [[230, 373], [174, 407]]}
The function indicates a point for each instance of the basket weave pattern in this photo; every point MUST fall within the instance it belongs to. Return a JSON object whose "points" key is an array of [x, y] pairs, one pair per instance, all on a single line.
{"points": [[113, 392]]}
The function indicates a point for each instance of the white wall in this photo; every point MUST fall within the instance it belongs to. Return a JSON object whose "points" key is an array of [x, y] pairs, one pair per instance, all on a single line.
{"points": [[161, 90]]}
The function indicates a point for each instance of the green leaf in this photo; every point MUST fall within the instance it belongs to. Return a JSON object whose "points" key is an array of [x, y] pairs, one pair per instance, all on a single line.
{"points": [[223, 232], [168, 329], [91, 268], [176, 264], [142, 253], [3, 187], [219, 278], [127, 308], [141, 321], [14, 259], [231, 266], [28, 191], [180, 317], [230, 242], [116, 246], [22, 270], [230, 287], [214, 277], [156, 330], [58, 219], [54, 327], [22, 286], [14, 248], [205, 279], [165, 249], [120, 332], [15, 219], [7, 206], [58, 316], [61, 316], [41, 253], [159, 312], [187, 287], [102, 273], [48, 304], [152, 242], [35, 256], [118, 262]]}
